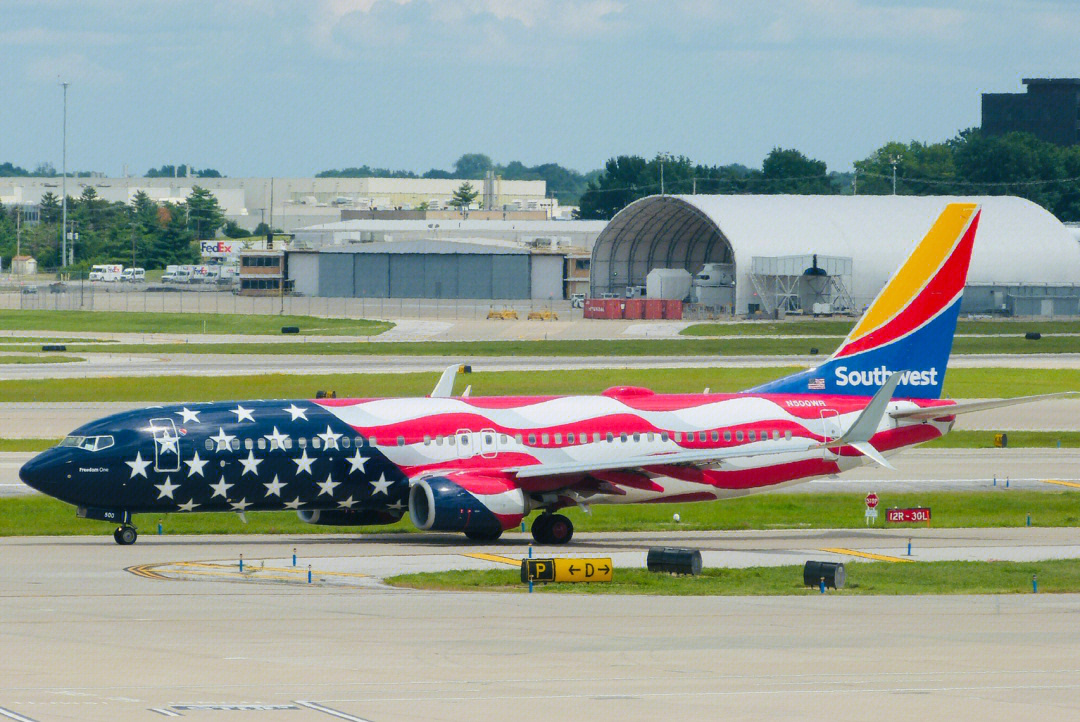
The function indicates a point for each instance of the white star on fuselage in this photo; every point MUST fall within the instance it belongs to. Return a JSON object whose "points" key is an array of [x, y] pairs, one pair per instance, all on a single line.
{"points": [[250, 464], [396, 506], [188, 417], [347, 504], [241, 505], [303, 462], [294, 504], [382, 486], [330, 438], [296, 412], [357, 462], [274, 487], [188, 506], [167, 488], [169, 443], [196, 465], [327, 487], [276, 439], [220, 488], [222, 439], [138, 467], [242, 413]]}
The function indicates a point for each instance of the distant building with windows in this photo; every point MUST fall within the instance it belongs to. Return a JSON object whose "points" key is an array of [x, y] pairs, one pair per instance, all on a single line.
{"points": [[1050, 110], [262, 273]]}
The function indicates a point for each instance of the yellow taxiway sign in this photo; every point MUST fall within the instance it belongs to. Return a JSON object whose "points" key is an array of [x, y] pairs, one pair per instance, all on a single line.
{"points": [[566, 570]]}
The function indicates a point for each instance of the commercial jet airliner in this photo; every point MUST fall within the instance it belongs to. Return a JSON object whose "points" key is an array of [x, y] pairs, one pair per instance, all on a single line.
{"points": [[479, 465]]}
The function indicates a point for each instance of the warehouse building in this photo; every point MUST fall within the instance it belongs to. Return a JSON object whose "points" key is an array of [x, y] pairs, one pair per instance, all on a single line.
{"points": [[780, 254], [551, 235], [474, 269]]}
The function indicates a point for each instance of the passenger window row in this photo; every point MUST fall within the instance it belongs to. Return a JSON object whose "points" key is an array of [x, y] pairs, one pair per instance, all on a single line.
{"points": [[573, 439], [263, 444]]}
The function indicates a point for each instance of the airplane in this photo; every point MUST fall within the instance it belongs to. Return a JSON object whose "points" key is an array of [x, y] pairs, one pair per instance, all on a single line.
{"points": [[480, 465]]}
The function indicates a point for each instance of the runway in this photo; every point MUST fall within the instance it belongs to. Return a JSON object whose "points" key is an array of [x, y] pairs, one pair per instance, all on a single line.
{"points": [[86, 640], [185, 364]]}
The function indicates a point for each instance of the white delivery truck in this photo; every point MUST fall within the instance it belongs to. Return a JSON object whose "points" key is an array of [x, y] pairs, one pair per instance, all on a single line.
{"points": [[184, 274], [134, 275], [106, 272], [170, 274]]}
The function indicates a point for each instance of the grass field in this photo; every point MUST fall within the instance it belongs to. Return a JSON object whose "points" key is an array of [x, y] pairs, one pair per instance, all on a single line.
{"points": [[140, 322], [40, 515], [863, 578], [810, 327], [959, 383]]}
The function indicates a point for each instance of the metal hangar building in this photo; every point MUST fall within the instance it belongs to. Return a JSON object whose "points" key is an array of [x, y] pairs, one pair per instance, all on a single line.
{"points": [[428, 269], [1025, 262]]}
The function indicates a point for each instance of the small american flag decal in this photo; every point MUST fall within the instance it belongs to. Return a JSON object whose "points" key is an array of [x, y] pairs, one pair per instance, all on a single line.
{"points": [[816, 385]]}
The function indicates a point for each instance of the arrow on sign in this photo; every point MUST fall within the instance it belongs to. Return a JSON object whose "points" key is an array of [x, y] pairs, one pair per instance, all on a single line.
{"points": [[573, 569], [605, 569]]}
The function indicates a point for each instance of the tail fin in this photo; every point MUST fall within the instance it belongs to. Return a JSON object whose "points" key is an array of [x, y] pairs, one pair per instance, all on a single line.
{"points": [[910, 325]]}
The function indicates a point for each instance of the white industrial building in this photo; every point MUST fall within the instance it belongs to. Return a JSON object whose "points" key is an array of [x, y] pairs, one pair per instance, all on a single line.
{"points": [[550, 235], [1025, 261], [297, 202]]}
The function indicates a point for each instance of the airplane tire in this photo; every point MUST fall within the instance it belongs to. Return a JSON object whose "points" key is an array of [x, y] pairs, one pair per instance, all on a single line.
{"points": [[560, 529], [540, 528], [125, 535], [483, 536]]}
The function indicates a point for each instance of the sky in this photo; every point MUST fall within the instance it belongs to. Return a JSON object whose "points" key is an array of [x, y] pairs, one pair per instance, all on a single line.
{"points": [[292, 87]]}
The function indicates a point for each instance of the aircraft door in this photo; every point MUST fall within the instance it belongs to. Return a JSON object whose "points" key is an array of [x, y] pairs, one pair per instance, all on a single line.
{"points": [[830, 429], [465, 444], [488, 443], [166, 445]]}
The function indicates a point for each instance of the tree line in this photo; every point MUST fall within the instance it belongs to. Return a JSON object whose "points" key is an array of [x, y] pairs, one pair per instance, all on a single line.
{"points": [[969, 164], [142, 233]]}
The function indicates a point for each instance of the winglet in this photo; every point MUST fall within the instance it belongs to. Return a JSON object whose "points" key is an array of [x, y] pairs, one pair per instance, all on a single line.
{"points": [[859, 433], [445, 387]]}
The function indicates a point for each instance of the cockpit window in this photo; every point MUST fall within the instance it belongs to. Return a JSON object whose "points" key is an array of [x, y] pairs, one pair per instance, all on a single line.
{"points": [[88, 443]]}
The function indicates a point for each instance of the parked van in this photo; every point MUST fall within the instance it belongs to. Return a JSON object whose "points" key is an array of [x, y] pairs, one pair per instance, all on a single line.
{"points": [[183, 274], [106, 272], [134, 275]]}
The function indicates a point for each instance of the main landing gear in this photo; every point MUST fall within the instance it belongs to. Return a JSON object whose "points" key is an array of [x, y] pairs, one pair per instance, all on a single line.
{"points": [[125, 535], [551, 528]]}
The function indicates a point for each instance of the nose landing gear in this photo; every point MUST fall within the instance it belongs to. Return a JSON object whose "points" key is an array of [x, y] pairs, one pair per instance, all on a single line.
{"points": [[125, 535], [551, 528]]}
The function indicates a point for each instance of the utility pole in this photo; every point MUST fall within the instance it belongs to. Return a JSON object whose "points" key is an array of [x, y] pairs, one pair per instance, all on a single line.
{"points": [[894, 159], [63, 224], [855, 183], [18, 232]]}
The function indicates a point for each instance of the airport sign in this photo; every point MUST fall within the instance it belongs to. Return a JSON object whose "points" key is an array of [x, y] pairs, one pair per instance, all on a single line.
{"points": [[566, 570], [908, 516]]}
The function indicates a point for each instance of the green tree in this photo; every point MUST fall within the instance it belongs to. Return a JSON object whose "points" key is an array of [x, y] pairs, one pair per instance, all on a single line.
{"points": [[203, 212], [472, 165], [463, 196], [50, 208], [789, 171], [233, 230]]}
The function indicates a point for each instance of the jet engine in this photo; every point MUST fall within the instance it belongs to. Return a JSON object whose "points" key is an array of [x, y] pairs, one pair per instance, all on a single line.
{"points": [[481, 506], [349, 517]]}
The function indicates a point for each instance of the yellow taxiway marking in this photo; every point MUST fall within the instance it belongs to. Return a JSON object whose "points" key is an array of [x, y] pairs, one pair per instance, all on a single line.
{"points": [[161, 571], [494, 558], [867, 555], [1061, 483], [251, 568]]}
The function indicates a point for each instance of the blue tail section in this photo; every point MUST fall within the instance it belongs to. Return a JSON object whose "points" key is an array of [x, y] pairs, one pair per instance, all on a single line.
{"points": [[909, 327]]}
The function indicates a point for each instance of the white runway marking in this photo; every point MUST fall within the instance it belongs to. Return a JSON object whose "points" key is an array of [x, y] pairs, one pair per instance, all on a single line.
{"points": [[14, 715], [331, 712]]}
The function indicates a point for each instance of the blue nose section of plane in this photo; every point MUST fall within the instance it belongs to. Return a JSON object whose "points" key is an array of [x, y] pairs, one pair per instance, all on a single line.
{"points": [[42, 472]]}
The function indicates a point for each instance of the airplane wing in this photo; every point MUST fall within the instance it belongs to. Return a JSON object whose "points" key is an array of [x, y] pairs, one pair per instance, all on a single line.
{"points": [[936, 412]]}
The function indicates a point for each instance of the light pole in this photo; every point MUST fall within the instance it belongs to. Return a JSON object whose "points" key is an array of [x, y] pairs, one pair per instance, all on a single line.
{"points": [[63, 224], [894, 159], [662, 157]]}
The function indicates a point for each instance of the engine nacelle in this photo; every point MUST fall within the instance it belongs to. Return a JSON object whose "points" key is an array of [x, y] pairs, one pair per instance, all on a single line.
{"points": [[348, 517], [480, 505]]}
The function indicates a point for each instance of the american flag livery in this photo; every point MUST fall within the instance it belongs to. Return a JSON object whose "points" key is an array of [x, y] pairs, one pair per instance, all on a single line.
{"points": [[480, 465]]}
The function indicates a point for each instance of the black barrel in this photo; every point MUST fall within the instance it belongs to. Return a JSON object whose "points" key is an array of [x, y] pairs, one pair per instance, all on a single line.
{"points": [[674, 560], [1032, 335], [290, 329], [54, 347], [833, 572]]}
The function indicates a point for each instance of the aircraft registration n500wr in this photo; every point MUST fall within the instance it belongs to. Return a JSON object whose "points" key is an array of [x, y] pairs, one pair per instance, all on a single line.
{"points": [[479, 465]]}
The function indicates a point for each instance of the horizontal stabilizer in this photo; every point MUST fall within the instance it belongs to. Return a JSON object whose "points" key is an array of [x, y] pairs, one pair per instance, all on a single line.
{"points": [[936, 412]]}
